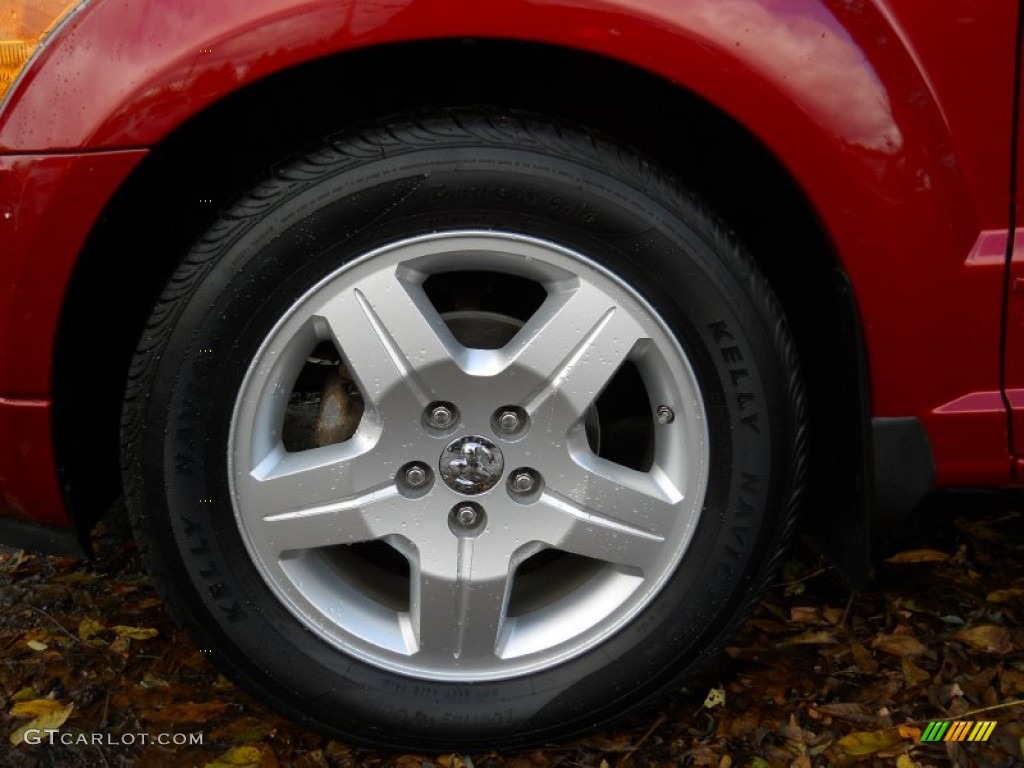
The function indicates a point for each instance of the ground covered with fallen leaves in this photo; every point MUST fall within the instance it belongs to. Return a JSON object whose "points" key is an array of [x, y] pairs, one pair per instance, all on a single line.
{"points": [[821, 675]]}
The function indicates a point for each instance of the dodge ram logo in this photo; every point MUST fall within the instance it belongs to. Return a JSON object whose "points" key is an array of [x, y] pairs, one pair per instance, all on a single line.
{"points": [[471, 465]]}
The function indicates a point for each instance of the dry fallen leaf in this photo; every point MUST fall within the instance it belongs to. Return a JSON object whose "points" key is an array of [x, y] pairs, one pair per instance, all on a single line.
{"points": [[715, 698], [868, 742], [1004, 595], [46, 714], [88, 628], [986, 637], [912, 673], [909, 732], [245, 729], [244, 757], [811, 637], [35, 645], [805, 614], [899, 645], [919, 556], [863, 659], [135, 633], [833, 615], [851, 712], [1011, 683], [188, 712]]}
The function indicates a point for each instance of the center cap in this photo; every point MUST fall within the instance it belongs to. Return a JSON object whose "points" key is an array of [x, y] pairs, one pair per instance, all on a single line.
{"points": [[471, 465]]}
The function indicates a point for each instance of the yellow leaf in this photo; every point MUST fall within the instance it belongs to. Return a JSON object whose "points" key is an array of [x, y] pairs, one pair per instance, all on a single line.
{"points": [[904, 761], [24, 694], [868, 742], [239, 757], [89, 627], [919, 556], [811, 637], [35, 645], [135, 633], [250, 729], [35, 708], [1004, 595], [45, 713], [986, 637], [899, 645], [715, 698]]}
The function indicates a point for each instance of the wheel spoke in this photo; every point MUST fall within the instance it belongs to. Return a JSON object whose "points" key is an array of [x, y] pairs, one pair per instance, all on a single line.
{"points": [[391, 336], [349, 521], [629, 526], [316, 498], [570, 349], [460, 594]]}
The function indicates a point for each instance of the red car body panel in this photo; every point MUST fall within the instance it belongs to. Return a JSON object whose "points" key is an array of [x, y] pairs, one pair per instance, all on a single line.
{"points": [[1013, 370], [28, 478], [48, 205], [892, 116]]}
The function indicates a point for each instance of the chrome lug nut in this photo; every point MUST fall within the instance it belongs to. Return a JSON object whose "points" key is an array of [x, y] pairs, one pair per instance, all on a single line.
{"points": [[415, 476], [665, 415], [509, 421], [523, 482], [441, 415], [466, 516], [467, 519], [414, 480]]}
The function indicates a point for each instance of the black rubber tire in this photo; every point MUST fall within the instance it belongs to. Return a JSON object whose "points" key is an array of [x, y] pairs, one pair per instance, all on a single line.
{"points": [[406, 176]]}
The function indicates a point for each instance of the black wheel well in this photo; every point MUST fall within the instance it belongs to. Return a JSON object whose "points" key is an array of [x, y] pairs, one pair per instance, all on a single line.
{"points": [[177, 190]]}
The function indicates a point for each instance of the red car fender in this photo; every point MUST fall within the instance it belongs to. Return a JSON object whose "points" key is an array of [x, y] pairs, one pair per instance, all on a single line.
{"points": [[863, 103]]}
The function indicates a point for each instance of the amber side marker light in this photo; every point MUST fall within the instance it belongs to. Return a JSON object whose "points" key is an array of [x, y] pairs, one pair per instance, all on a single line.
{"points": [[24, 24]]}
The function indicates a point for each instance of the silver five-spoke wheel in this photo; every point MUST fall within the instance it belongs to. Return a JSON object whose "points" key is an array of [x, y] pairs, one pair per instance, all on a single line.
{"points": [[513, 543]]}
